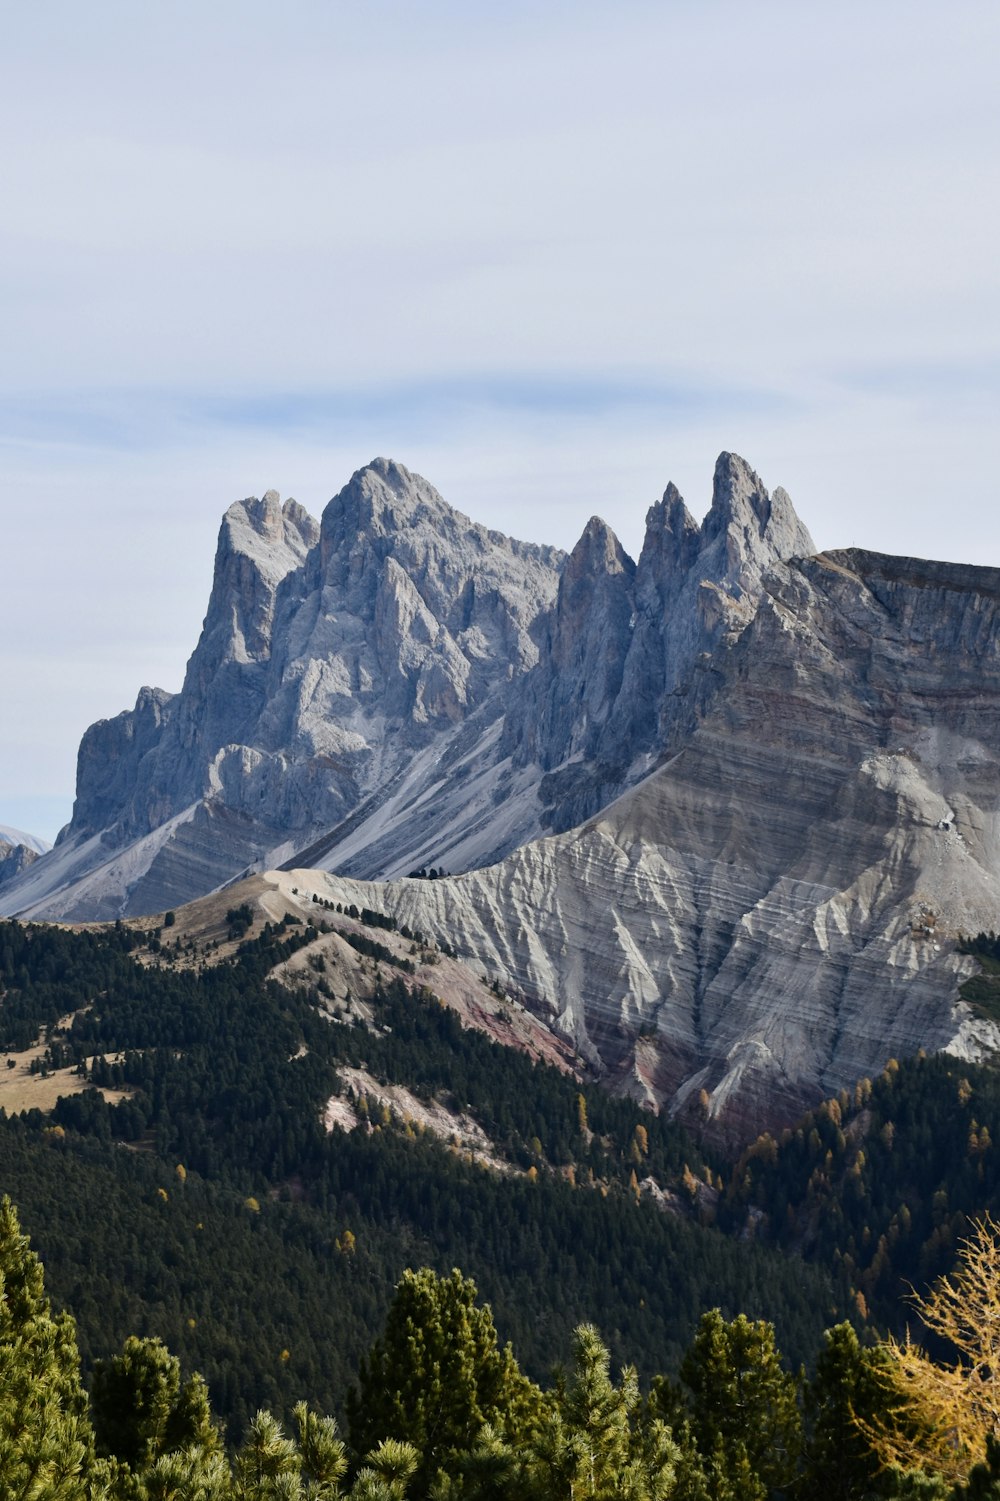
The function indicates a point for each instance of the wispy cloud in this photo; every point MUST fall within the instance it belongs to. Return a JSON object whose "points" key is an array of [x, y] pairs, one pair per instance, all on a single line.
{"points": [[158, 420], [548, 255]]}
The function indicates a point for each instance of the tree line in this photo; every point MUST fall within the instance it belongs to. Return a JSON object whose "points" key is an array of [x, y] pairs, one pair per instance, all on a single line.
{"points": [[442, 1411]]}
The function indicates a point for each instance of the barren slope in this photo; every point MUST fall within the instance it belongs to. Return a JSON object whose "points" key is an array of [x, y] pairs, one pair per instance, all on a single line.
{"points": [[772, 913]]}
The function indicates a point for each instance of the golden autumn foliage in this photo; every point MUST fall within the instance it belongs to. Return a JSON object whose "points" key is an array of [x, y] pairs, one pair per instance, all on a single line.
{"points": [[940, 1415]]}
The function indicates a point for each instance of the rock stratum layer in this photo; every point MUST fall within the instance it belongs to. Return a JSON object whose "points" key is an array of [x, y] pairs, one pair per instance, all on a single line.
{"points": [[772, 913], [773, 776]]}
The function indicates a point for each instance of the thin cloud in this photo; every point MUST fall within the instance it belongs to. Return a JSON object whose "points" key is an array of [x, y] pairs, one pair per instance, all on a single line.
{"points": [[549, 256]]}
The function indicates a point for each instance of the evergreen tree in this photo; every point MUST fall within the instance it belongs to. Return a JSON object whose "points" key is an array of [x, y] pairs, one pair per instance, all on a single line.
{"points": [[268, 1466], [324, 1458], [744, 1406], [387, 1472], [592, 1445], [188, 1475], [845, 1398], [46, 1448], [142, 1410], [437, 1376]]}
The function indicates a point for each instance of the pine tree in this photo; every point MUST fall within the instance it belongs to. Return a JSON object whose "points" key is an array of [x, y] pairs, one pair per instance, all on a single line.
{"points": [[323, 1456], [744, 1406], [268, 1466], [843, 1400], [142, 1410], [46, 1448], [437, 1376], [593, 1445]]}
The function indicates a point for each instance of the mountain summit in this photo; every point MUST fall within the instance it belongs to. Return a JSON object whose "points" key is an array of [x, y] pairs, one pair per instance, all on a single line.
{"points": [[621, 670], [396, 686]]}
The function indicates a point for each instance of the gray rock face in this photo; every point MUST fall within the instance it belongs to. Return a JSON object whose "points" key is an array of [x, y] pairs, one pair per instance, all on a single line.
{"points": [[397, 686], [782, 770], [622, 678], [345, 671], [772, 914], [15, 859]]}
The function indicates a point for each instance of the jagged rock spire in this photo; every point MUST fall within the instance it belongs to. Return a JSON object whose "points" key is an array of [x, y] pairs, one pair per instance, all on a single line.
{"points": [[397, 654]]}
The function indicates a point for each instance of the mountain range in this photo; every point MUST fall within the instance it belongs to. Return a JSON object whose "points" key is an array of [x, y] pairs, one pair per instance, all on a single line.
{"points": [[716, 816]]}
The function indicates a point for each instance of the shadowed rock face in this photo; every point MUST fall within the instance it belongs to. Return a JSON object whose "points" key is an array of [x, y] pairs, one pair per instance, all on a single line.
{"points": [[396, 686], [624, 678], [772, 913]]}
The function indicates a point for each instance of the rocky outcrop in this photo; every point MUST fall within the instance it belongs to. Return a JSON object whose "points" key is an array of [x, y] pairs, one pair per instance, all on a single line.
{"points": [[772, 913], [15, 859], [622, 675]]}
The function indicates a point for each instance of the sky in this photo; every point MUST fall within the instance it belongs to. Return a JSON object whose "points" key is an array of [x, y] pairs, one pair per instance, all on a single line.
{"points": [[550, 256]]}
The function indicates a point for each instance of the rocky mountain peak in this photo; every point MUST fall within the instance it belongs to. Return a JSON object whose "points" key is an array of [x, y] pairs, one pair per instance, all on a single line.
{"points": [[790, 761], [737, 495], [398, 685], [618, 678], [671, 540], [15, 859], [671, 515], [297, 517], [17, 836], [598, 551], [759, 527], [282, 529], [379, 501], [590, 624], [564, 703], [18, 852], [260, 543]]}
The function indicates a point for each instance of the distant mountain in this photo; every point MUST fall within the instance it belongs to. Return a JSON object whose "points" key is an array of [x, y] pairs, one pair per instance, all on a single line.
{"points": [[397, 687], [15, 859], [18, 836], [18, 852]]}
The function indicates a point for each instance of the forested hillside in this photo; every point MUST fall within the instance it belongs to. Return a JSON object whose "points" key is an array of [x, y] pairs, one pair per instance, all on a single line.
{"points": [[211, 1206], [187, 1185], [881, 1182]]}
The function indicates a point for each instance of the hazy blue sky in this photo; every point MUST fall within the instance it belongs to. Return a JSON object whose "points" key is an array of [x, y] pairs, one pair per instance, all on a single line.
{"points": [[548, 255]]}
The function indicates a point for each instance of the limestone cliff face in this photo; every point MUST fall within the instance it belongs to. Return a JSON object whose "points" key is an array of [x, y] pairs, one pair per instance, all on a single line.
{"points": [[777, 775], [138, 770], [396, 686], [772, 913], [342, 664], [623, 679]]}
